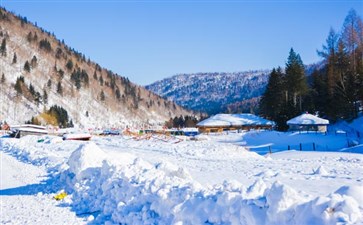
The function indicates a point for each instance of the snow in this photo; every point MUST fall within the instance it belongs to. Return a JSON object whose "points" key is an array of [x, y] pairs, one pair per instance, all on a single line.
{"points": [[77, 136], [307, 119], [24, 198], [234, 120], [125, 180], [263, 141]]}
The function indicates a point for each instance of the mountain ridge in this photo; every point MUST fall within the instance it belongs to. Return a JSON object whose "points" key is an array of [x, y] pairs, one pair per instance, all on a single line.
{"points": [[39, 71], [212, 92]]}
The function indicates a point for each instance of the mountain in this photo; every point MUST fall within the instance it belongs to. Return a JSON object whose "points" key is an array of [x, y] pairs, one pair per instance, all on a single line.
{"points": [[214, 92], [39, 71]]}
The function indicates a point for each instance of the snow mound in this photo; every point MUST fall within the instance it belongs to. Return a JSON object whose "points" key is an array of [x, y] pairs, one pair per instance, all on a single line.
{"points": [[321, 171], [86, 157], [129, 190], [355, 192], [280, 200]]}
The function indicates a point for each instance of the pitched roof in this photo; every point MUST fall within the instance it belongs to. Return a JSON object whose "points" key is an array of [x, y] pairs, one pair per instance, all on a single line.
{"points": [[244, 119], [307, 119]]}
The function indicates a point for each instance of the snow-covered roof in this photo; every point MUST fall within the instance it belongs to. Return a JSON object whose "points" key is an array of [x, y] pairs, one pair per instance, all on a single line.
{"points": [[244, 119], [307, 119]]}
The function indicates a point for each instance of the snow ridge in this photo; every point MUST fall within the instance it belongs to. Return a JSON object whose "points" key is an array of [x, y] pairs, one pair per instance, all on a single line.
{"points": [[132, 191]]}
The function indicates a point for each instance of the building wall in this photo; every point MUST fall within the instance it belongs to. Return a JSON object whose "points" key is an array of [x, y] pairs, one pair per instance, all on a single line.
{"points": [[319, 128]]}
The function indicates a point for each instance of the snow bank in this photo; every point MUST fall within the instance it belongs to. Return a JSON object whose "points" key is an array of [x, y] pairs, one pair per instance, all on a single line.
{"points": [[49, 151], [87, 156], [128, 190]]}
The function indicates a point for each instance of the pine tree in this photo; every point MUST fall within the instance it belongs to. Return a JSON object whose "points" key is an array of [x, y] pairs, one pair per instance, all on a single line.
{"points": [[102, 96], [3, 79], [27, 66], [69, 65], [296, 85], [49, 83], [320, 93], [14, 58], [18, 85], [29, 37], [59, 88], [3, 47], [34, 62], [45, 97], [272, 101], [31, 89], [101, 80], [118, 93]]}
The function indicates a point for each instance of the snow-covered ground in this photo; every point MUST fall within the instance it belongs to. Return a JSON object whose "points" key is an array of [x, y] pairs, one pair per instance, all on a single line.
{"points": [[162, 180]]}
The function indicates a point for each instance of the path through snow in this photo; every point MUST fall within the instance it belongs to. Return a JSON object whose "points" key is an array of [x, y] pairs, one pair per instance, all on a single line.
{"points": [[22, 200]]}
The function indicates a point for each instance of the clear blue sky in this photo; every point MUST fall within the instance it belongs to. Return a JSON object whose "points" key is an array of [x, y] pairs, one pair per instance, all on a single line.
{"points": [[150, 40]]}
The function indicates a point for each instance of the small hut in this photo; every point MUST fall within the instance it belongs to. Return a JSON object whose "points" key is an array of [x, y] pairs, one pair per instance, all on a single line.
{"points": [[245, 121], [308, 122], [19, 131]]}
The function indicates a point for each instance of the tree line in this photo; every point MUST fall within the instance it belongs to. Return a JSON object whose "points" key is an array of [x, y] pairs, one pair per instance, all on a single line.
{"points": [[335, 88]]}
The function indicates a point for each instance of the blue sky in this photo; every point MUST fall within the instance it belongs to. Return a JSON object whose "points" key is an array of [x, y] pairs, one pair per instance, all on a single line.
{"points": [[150, 40]]}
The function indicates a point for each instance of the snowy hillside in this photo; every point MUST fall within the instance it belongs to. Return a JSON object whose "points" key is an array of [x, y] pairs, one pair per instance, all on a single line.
{"points": [[212, 92], [38, 71]]}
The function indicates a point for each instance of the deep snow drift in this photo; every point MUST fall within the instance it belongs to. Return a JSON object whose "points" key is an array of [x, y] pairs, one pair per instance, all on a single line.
{"points": [[116, 180]]}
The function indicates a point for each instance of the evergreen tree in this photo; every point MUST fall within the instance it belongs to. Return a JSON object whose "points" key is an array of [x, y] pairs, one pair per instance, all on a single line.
{"points": [[31, 89], [27, 66], [59, 88], [29, 37], [272, 101], [69, 65], [34, 62], [118, 94], [319, 93], [45, 97], [14, 58], [49, 83], [61, 115], [3, 47], [3, 79], [296, 85], [18, 85], [101, 80], [102, 96], [45, 44]]}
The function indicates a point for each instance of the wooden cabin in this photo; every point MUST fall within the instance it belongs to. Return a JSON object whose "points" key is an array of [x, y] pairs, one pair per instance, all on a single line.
{"points": [[308, 122], [229, 122], [27, 129]]}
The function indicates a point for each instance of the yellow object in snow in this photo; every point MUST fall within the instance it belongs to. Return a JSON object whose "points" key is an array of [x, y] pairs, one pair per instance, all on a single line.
{"points": [[60, 196]]}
